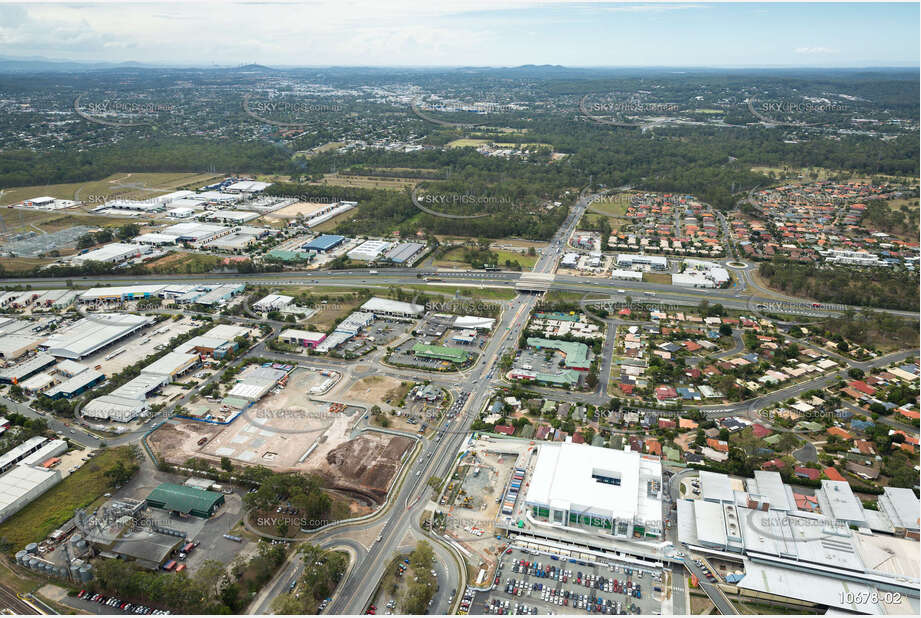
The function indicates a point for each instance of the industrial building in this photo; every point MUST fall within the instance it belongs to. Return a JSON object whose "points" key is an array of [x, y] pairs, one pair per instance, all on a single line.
{"points": [[627, 261], [272, 302], [127, 402], [121, 294], [256, 381], [113, 253], [231, 216], [404, 252], [347, 328], [172, 365], [613, 492], [248, 186], [220, 294], [18, 453], [369, 250], [217, 342], [324, 243], [14, 346], [627, 275], [306, 338], [195, 233], [89, 335], [902, 507], [186, 500], [475, 322], [27, 369], [76, 385], [23, 484], [392, 308]]}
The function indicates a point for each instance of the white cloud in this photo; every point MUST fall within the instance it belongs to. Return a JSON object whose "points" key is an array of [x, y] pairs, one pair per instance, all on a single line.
{"points": [[815, 50]]}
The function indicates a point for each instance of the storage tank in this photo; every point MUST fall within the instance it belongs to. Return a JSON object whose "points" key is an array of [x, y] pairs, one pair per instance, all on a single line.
{"points": [[20, 556], [32, 548]]}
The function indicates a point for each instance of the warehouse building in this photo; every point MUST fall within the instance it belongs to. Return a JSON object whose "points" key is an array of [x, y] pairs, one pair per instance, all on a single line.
{"points": [[255, 382], [347, 328], [185, 500], [392, 308], [404, 252], [172, 365], [39, 383], [217, 342], [221, 294], [369, 250], [125, 403], [195, 233], [608, 491], [308, 339], [233, 217], [121, 294], [248, 186], [114, 253], [627, 261], [155, 239], [89, 335], [627, 275], [18, 453], [14, 346], [273, 302], [76, 385], [23, 484], [25, 370], [324, 243], [148, 550]]}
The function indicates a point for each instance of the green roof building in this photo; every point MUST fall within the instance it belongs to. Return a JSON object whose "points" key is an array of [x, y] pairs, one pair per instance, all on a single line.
{"points": [[438, 352], [187, 500], [575, 353], [566, 378], [284, 255], [557, 315]]}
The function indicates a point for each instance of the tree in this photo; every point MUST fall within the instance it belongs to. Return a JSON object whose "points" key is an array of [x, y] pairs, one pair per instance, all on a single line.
{"points": [[129, 230], [226, 464]]}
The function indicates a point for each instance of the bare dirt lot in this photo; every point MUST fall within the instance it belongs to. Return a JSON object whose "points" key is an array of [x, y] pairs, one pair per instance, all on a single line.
{"points": [[372, 389]]}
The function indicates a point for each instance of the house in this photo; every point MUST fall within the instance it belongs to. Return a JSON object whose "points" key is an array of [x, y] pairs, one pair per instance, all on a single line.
{"points": [[839, 433], [505, 429], [666, 392], [773, 464], [718, 445], [760, 431], [865, 447], [665, 423], [653, 447], [863, 387], [686, 423], [833, 475], [807, 473]]}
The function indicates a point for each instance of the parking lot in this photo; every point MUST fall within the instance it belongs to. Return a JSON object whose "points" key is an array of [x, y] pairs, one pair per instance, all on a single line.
{"points": [[531, 359], [381, 332], [531, 583]]}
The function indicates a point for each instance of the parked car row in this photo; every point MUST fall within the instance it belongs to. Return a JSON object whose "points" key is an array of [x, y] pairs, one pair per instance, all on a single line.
{"points": [[124, 606]]}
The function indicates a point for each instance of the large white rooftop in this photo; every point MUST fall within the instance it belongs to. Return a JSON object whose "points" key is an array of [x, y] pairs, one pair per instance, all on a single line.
{"points": [[567, 476]]}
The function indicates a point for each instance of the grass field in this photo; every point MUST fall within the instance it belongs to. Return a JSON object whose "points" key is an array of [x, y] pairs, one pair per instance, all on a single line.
{"points": [[124, 185], [467, 292], [615, 223], [329, 226], [83, 488], [663, 278], [23, 264], [467, 142], [613, 206], [183, 263]]}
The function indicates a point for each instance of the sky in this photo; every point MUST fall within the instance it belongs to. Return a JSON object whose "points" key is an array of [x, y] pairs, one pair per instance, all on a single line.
{"points": [[465, 33]]}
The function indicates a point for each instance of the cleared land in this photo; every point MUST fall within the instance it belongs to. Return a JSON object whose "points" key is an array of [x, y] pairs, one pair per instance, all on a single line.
{"points": [[366, 182], [125, 185]]}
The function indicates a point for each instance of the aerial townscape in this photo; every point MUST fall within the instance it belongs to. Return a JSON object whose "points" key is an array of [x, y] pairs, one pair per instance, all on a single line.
{"points": [[482, 309]]}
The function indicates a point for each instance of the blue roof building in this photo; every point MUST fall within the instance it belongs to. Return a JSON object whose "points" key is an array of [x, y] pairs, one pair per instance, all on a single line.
{"points": [[324, 243]]}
